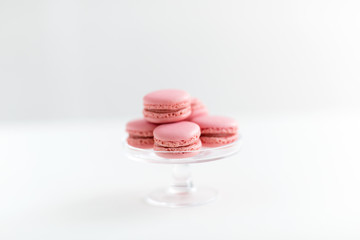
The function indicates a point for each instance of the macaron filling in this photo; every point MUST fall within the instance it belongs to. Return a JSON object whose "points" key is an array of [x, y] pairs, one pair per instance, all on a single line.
{"points": [[174, 144], [139, 137], [143, 134], [161, 114], [218, 134], [140, 142], [196, 145], [167, 107], [164, 110], [218, 139], [140, 133]]}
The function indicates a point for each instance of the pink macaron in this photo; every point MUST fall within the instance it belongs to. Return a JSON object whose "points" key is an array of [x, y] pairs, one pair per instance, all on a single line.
{"points": [[197, 109], [140, 133], [165, 106], [177, 140], [216, 130]]}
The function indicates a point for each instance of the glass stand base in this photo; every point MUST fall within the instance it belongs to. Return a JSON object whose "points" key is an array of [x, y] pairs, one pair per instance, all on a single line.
{"points": [[167, 197]]}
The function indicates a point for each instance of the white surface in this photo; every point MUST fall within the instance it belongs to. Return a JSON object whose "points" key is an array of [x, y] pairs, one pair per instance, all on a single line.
{"points": [[297, 177], [80, 58]]}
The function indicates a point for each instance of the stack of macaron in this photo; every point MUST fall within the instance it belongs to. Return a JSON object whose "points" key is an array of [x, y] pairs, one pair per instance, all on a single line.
{"points": [[176, 125]]}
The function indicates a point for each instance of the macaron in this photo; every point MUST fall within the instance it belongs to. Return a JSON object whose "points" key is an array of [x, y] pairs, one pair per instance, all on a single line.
{"points": [[165, 106], [197, 109], [177, 140], [217, 130], [140, 133]]}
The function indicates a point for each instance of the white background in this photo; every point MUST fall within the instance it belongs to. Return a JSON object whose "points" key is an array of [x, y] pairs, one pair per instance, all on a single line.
{"points": [[64, 59], [73, 72]]}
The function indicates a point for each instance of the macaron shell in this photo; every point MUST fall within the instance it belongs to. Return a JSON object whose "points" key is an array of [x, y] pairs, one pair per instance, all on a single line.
{"points": [[167, 117], [218, 130], [196, 103], [140, 127], [218, 141], [140, 142], [179, 152], [167, 97], [176, 134]]}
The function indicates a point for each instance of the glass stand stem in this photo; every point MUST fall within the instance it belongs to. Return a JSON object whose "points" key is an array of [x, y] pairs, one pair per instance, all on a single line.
{"points": [[181, 192], [182, 181]]}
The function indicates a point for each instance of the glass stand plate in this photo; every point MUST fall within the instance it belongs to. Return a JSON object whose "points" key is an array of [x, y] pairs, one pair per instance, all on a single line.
{"points": [[182, 192]]}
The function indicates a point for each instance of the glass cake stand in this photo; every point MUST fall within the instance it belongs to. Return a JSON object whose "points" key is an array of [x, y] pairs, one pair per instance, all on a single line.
{"points": [[182, 192]]}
